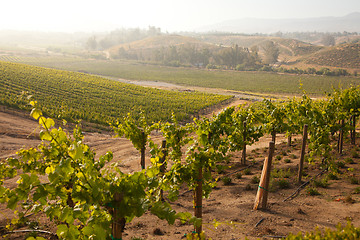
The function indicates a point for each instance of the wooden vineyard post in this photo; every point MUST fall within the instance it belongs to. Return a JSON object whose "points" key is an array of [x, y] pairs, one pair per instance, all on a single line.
{"points": [[118, 222], [267, 172], [353, 131], [341, 136], [273, 136], [243, 159], [289, 141], [262, 193], [162, 168], [142, 161], [198, 200], [302, 154]]}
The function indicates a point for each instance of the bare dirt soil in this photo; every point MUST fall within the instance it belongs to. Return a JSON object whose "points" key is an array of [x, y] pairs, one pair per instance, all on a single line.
{"points": [[230, 204]]}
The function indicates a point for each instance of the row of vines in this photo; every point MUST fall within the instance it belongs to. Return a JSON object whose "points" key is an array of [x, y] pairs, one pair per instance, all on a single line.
{"points": [[73, 96], [89, 199]]}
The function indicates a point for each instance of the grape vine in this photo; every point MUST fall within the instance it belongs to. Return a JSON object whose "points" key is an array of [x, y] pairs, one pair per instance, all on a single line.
{"points": [[63, 179]]}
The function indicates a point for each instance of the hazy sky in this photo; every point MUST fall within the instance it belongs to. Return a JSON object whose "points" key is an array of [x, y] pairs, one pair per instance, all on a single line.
{"points": [[182, 15]]}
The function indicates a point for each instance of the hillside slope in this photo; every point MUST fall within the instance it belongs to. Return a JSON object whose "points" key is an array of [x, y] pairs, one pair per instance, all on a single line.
{"points": [[287, 46], [148, 45], [344, 56]]}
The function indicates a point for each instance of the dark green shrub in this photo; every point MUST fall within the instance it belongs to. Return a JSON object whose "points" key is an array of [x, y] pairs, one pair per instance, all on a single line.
{"points": [[248, 187], [281, 173], [238, 175], [356, 190], [355, 154], [247, 171], [255, 179], [311, 191], [332, 176], [282, 183], [340, 164], [349, 160], [321, 183], [226, 180], [354, 180], [284, 153]]}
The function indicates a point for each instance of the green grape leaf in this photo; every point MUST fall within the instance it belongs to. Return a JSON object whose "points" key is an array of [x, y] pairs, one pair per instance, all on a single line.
{"points": [[36, 113], [12, 202], [45, 135]]}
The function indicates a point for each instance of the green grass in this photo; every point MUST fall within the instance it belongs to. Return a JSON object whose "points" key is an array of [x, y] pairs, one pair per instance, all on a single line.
{"points": [[258, 82]]}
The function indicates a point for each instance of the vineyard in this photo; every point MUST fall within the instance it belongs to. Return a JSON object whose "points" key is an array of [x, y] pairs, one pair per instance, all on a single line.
{"points": [[74, 96], [91, 199], [254, 82]]}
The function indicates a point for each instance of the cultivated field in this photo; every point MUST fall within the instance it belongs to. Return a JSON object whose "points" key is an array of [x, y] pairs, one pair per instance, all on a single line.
{"points": [[74, 96], [253, 82]]}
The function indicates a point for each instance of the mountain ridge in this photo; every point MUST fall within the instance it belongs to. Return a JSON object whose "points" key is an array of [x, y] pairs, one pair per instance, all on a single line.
{"points": [[349, 23]]}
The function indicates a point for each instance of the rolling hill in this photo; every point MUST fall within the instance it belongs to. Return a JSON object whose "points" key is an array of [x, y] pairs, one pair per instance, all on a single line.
{"points": [[148, 45], [290, 47], [145, 49], [344, 56]]}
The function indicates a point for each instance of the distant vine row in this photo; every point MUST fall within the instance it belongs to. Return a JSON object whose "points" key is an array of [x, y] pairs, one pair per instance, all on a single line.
{"points": [[74, 96]]}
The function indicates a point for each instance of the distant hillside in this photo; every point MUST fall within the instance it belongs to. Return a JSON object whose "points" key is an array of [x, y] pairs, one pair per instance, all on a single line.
{"points": [[148, 45], [348, 23], [175, 50], [290, 47], [231, 39], [298, 47], [162, 40], [343, 56], [348, 39]]}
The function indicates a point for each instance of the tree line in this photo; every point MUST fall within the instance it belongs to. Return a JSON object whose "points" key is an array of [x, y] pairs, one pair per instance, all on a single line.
{"points": [[233, 57], [119, 36]]}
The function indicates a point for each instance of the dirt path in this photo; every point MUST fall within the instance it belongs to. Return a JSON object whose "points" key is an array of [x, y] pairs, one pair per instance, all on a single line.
{"points": [[175, 87], [16, 132]]}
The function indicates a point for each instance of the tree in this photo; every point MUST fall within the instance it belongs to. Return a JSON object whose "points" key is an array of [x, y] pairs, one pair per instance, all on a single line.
{"points": [[204, 56], [188, 53], [153, 31], [91, 43], [122, 53], [328, 40], [271, 52], [106, 43]]}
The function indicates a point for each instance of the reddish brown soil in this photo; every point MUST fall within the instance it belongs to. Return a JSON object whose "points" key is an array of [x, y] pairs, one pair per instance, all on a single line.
{"points": [[229, 204]]}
